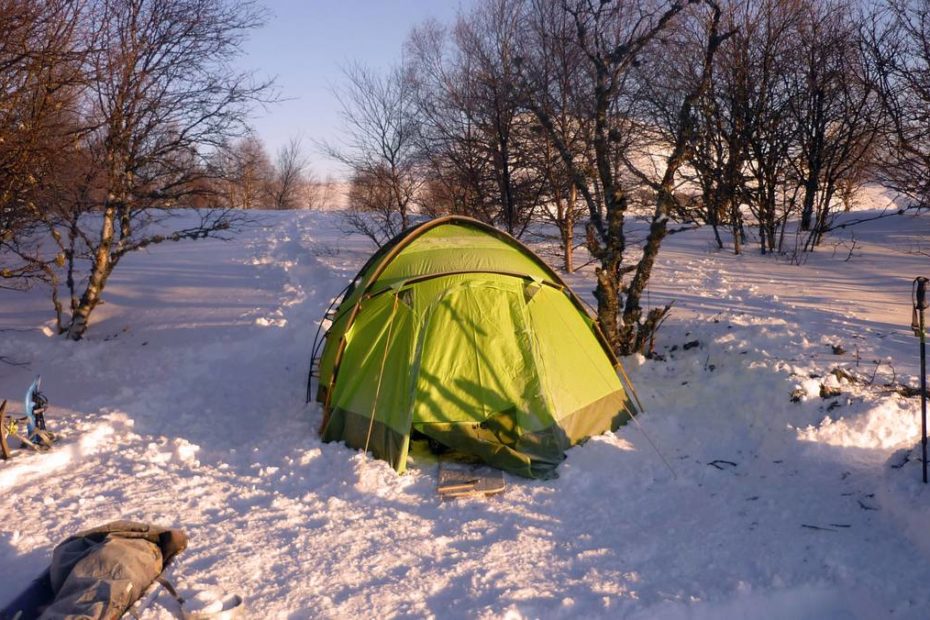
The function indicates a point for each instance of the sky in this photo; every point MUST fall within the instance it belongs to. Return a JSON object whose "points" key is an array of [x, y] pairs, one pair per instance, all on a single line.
{"points": [[304, 45]]}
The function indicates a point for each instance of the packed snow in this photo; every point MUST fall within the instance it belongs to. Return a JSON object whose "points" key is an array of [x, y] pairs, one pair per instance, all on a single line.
{"points": [[759, 483]]}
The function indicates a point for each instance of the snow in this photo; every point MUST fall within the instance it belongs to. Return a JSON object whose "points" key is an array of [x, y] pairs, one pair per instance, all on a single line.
{"points": [[726, 499]]}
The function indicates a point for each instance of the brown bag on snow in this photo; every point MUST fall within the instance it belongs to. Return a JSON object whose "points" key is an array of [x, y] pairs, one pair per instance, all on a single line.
{"points": [[99, 573]]}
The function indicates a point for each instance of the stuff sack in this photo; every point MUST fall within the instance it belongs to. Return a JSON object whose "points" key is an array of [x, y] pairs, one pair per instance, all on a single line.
{"points": [[99, 573]]}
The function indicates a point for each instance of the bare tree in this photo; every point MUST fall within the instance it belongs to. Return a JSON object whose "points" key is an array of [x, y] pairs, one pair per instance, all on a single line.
{"points": [[897, 41], [742, 139], [371, 210], [242, 175], [613, 38], [450, 143], [789, 120], [40, 56], [379, 148], [557, 60], [475, 136], [319, 194], [161, 93], [835, 109], [721, 148], [486, 43], [559, 201], [291, 176]]}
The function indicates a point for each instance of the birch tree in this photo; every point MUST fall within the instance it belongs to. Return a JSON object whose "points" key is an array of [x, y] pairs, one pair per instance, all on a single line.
{"points": [[162, 92], [614, 37]]}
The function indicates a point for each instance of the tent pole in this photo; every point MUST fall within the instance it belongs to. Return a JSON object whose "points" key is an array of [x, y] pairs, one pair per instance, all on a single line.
{"points": [[923, 377], [919, 292]]}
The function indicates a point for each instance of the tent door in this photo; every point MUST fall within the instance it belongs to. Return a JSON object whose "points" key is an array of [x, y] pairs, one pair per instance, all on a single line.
{"points": [[477, 388]]}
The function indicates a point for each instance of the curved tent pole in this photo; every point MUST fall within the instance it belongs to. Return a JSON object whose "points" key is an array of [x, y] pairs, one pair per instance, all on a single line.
{"points": [[318, 340], [337, 362]]}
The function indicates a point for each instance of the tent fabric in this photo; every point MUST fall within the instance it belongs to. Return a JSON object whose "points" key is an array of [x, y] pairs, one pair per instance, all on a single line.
{"points": [[456, 330]]}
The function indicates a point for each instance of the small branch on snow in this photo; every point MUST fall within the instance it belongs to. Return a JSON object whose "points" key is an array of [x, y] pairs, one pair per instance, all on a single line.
{"points": [[7, 360], [719, 463], [819, 528], [878, 365]]}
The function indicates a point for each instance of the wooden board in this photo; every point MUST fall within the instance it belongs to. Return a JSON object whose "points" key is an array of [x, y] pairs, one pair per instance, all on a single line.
{"points": [[457, 479], [4, 447]]}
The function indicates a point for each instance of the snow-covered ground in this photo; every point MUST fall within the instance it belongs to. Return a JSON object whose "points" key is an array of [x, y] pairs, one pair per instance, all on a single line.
{"points": [[185, 406]]}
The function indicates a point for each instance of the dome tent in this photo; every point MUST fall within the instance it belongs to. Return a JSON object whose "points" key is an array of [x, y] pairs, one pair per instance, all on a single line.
{"points": [[458, 331]]}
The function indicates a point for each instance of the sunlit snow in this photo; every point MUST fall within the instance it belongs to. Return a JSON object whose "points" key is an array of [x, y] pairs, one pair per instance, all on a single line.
{"points": [[185, 406]]}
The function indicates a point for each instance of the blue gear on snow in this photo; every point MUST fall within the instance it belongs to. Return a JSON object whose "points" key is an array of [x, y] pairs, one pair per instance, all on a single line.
{"points": [[30, 406]]}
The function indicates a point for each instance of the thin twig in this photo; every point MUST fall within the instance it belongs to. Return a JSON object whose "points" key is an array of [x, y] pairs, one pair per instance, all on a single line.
{"points": [[11, 362]]}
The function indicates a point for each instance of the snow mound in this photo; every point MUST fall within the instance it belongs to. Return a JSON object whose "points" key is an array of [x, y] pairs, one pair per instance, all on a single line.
{"points": [[885, 426]]}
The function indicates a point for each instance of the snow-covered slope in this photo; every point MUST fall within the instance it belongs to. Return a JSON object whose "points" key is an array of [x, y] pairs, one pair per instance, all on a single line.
{"points": [[185, 406]]}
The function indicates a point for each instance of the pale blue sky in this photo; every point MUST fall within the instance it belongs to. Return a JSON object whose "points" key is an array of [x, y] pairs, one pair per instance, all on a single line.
{"points": [[304, 44]]}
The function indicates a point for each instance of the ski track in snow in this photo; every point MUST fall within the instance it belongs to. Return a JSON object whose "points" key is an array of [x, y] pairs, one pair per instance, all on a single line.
{"points": [[184, 406]]}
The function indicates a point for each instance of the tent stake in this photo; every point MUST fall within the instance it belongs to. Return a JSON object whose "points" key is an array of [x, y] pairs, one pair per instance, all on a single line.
{"points": [[919, 293]]}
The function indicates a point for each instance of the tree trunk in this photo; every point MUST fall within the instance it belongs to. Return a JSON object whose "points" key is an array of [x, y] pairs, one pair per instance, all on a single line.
{"points": [[712, 208], [607, 294], [736, 226], [637, 334], [810, 194], [568, 231], [102, 267], [506, 188], [729, 201], [609, 274]]}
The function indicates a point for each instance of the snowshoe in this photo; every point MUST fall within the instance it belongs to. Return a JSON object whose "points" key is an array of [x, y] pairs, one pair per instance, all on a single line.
{"points": [[28, 431], [42, 438], [11, 435]]}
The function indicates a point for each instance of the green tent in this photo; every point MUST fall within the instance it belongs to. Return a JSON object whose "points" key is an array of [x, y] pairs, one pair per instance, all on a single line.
{"points": [[456, 330]]}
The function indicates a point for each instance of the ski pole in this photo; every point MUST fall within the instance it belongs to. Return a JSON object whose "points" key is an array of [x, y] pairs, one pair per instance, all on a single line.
{"points": [[919, 294]]}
